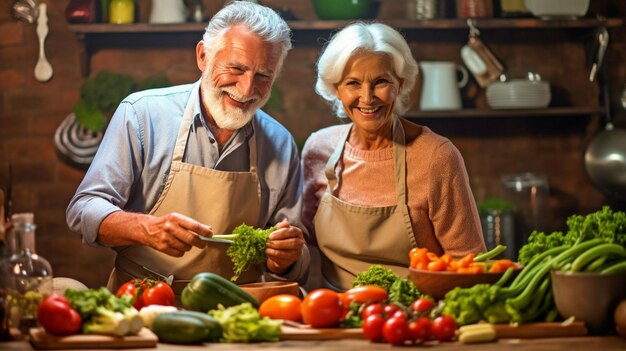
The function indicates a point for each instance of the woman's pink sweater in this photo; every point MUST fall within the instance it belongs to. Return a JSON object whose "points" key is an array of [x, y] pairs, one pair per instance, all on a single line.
{"points": [[441, 205]]}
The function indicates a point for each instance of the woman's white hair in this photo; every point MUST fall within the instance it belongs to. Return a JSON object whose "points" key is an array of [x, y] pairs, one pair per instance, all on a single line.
{"points": [[365, 37], [260, 20]]}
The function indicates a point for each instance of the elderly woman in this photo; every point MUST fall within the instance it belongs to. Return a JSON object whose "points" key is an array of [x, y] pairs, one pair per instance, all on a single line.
{"points": [[381, 185]]}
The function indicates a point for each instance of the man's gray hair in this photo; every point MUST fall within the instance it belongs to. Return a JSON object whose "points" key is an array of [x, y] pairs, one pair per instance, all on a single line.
{"points": [[260, 20]]}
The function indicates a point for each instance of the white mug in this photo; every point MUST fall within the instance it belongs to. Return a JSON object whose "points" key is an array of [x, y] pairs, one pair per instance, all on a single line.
{"points": [[168, 11], [440, 85]]}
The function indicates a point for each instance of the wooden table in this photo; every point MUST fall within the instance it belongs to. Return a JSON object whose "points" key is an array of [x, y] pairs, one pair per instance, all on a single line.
{"points": [[606, 343]]}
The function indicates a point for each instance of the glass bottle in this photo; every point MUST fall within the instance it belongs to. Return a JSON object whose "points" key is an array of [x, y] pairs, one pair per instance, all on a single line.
{"points": [[28, 275], [121, 11]]}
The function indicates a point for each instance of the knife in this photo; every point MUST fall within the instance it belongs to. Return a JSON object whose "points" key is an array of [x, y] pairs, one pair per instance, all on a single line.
{"points": [[216, 240]]}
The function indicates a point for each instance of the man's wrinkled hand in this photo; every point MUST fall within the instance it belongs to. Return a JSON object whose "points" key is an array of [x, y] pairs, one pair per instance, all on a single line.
{"points": [[284, 247], [174, 234]]}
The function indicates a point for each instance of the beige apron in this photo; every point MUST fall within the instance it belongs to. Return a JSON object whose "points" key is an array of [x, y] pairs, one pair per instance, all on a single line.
{"points": [[220, 199], [352, 238]]}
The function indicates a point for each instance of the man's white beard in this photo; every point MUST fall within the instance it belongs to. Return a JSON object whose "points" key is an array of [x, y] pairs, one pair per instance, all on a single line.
{"points": [[225, 116]]}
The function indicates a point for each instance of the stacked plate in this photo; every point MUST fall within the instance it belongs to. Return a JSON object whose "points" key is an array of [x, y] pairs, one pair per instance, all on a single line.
{"points": [[518, 94]]}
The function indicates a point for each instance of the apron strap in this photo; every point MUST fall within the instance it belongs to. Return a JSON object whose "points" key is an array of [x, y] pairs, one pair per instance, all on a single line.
{"points": [[329, 170], [399, 156], [183, 131]]}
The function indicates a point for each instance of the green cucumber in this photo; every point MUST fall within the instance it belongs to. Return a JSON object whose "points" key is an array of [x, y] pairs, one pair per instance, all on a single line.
{"points": [[215, 328], [176, 328], [207, 290]]}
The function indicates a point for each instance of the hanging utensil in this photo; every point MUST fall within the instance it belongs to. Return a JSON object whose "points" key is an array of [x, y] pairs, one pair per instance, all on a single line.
{"points": [[601, 43], [25, 10], [605, 158], [483, 64], [43, 68]]}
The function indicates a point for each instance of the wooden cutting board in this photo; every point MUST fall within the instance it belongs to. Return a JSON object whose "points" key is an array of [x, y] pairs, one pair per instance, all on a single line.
{"points": [[540, 330], [296, 331], [42, 340]]}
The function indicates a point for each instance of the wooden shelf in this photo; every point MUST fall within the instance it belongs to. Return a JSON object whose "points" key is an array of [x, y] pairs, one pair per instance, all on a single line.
{"points": [[439, 24], [94, 36], [489, 113]]}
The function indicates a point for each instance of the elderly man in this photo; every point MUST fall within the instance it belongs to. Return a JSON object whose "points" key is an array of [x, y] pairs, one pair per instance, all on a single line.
{"points": [[192, 160]]}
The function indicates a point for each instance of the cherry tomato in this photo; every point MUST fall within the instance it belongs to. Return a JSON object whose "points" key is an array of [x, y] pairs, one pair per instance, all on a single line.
{"points": [[396, 331], [373, 327], [399, 314], [283, 306], [134, 289], [322, 308], [390, 309], [373, 308], [420, 330], [158, 293], [423, 305], [57, 317], [444, 328], [366, 294]]}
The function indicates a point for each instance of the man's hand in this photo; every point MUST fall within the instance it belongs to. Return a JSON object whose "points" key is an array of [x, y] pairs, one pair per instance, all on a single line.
{"points": [[173, 233], [284, 247]]}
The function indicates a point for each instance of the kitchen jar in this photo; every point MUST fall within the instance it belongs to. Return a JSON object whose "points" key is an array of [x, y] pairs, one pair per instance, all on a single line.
{"points": [[26, 276], [422, 9], [474, 8], [498, 225], [122, 11], [513, 8], [529, 192]]}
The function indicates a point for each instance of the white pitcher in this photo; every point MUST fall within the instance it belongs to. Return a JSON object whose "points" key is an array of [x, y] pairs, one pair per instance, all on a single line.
{"points": [[168, 11], [440, 85]]}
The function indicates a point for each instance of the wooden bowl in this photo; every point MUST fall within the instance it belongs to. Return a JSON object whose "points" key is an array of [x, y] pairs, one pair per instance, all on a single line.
{"points": [[437, 284], [589, 297], [264, 290]]}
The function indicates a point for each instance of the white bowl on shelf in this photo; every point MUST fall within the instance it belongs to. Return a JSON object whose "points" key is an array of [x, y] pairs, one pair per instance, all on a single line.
{"points": [[518, 94], [547, 9]]}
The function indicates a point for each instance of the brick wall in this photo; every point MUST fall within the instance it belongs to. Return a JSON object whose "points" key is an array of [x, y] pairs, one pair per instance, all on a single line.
{"points": [[30, 111]]}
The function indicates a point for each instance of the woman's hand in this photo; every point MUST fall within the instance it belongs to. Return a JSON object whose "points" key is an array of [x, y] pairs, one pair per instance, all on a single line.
{"points": [[284, 247]]}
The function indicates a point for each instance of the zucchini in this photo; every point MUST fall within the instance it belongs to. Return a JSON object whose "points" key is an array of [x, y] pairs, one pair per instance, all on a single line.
{"points": [[207, 290], [180, 329], [215, 328]]}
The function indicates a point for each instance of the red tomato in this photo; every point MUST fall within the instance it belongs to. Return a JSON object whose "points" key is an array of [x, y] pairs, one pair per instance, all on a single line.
{"points": [[399, 314], [373, 327], [134, 289], [158, 294], [366, 294], [396, 331], [390, 309], [283, 306], [57, 317], [373, 308], [420, 330], [322, 308], [444, 328], [423, 305]]}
